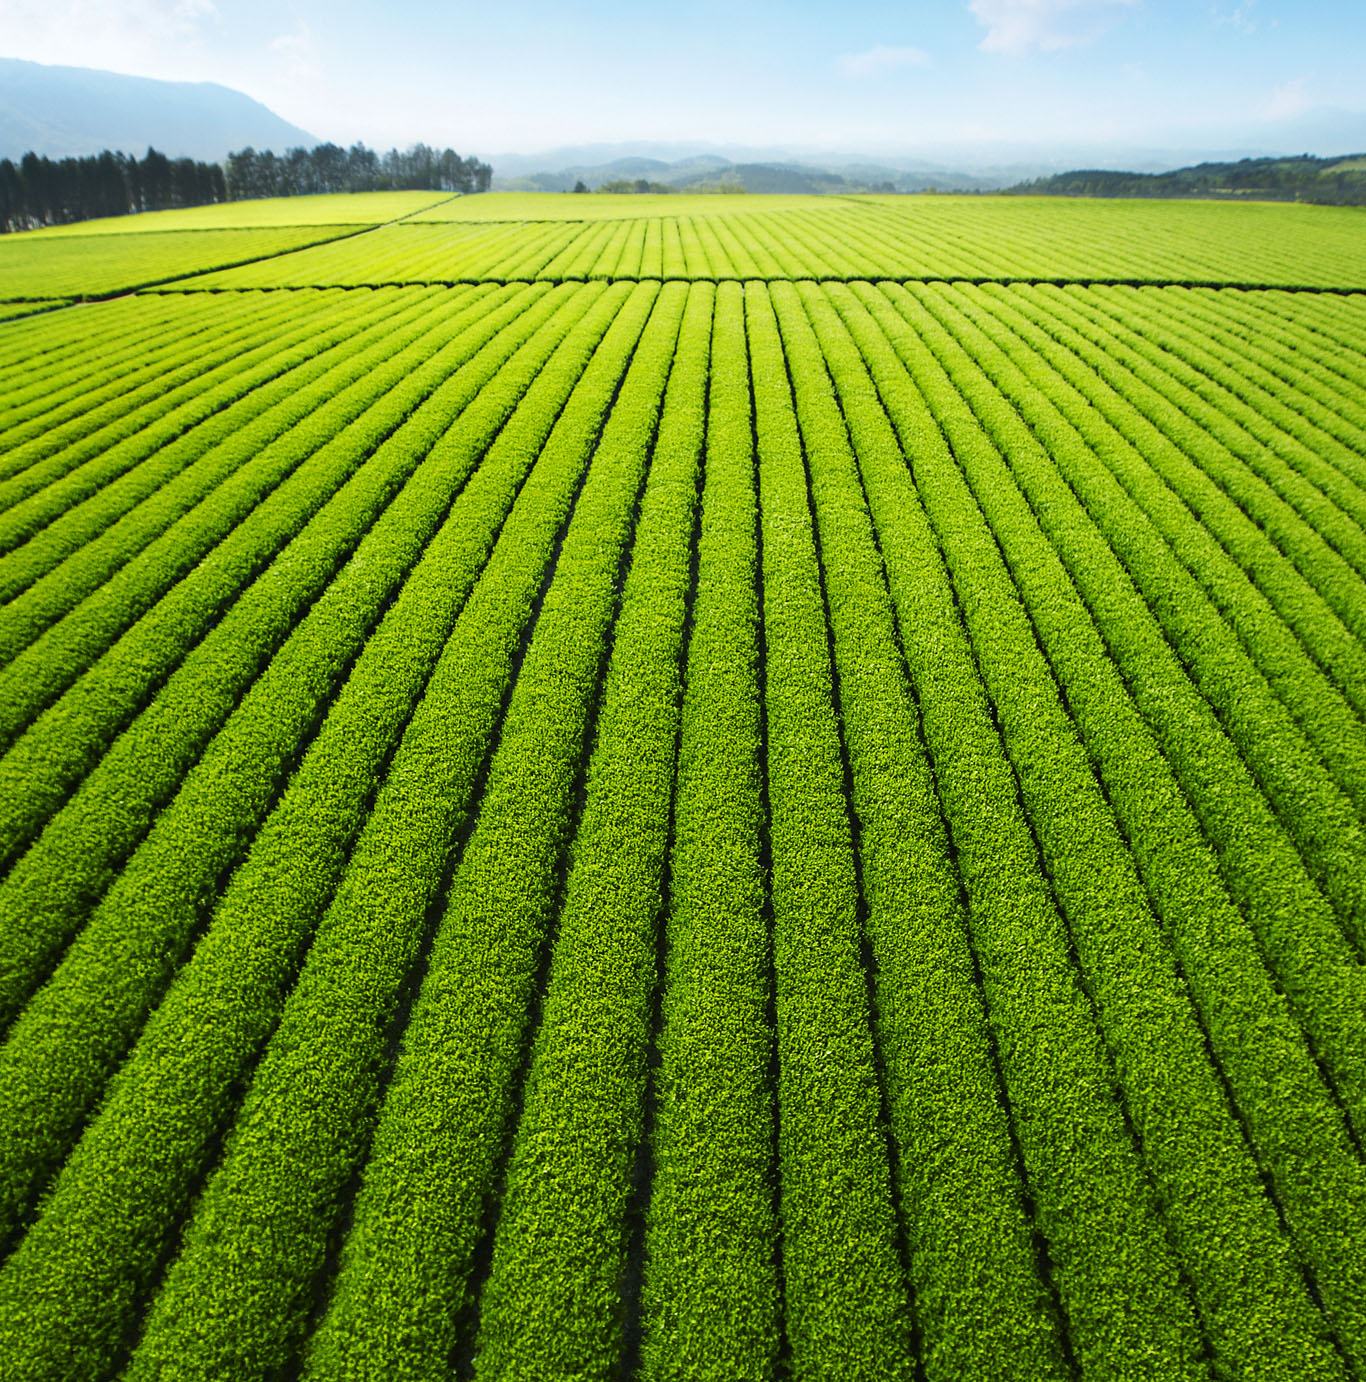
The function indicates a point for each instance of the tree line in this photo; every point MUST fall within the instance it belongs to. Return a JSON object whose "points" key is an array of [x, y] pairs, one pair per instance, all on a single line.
{"points": [[330, 168], [38, 191], [1304, 178], [46, 192]]}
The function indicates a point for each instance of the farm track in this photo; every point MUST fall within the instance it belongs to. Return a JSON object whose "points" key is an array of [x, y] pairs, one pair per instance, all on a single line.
{"points": [[699, 796]]}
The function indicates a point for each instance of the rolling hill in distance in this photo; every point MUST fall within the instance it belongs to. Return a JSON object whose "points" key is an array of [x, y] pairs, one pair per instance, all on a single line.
{"points": [[70, 111], [986, 165]]}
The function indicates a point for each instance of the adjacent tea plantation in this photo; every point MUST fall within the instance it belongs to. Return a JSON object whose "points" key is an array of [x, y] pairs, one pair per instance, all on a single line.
{"points": [[695, 787]]}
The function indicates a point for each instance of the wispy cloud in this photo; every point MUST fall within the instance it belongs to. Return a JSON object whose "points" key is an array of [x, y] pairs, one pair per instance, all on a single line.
{"points": [[1241, 17], [297, 53], [881, 59], [108, 19], [127, 34], [1015, 26], [1289, 99], [187, 12]]}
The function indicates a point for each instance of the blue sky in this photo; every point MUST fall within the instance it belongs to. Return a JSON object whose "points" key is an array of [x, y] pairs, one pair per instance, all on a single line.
{"points": [[506, 75]]}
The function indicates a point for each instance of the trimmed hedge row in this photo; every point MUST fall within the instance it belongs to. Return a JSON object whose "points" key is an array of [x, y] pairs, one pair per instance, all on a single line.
{"points": [[403, 1283], [86, 838], [981, 1308], [1328, 544], [74, 1283], [264, 505], [1292, 922], [59, 388], [553, 1304], [1308, 467], [53, 342], [1266, 877], [1281, 618], [66, 1041], [1252, 1301], [846, 1295], [1297, 733], [67, 462], [1292, 362], [238, 1294], [76, 553], [1314, 810], [1127, 1311], [710, 1299]]}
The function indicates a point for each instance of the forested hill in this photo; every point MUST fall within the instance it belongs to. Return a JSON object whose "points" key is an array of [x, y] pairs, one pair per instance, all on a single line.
{"points": [[1340, 181]]}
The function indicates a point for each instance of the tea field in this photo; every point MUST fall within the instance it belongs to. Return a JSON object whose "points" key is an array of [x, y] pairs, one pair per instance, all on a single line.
{"points": [[684, 788]]}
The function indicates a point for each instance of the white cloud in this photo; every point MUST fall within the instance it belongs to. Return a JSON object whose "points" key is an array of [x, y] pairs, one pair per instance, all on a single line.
{"points": [[1239, 17], [1014, 26], [882, 59], [127, 35], [187, 11], [23, 20], [297, 53], [1289, 99]]}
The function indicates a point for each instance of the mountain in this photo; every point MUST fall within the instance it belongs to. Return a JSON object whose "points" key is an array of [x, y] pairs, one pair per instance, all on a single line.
{"points": [[963, 166], [619, 156], [709, 171], [61, 111]]}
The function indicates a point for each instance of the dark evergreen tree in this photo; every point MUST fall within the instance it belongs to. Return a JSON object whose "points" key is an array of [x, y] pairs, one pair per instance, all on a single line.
{"points": [[40, 191]]}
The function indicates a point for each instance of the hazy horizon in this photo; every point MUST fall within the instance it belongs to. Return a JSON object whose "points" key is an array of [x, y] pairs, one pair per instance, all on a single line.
{"points": [[990, 75]]}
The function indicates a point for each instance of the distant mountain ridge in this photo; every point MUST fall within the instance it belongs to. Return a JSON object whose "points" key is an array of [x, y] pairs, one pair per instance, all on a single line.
{"points": [[976, 165], [1339, 180], [705, 172], [70, 111]]}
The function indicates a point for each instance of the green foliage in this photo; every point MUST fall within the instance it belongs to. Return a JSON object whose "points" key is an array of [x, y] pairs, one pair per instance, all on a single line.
{"points": [[444, 1118], [844, 1288], [145, 919], [636, 187], [301, 1131], [1337, 181], [851, 239], [116, 422], [317, 516], [43, 266], [73, 554], [717, 788], [210, 1028], [351, 209], [1078, 1150], [962, 1200], [562, 1231], [1252, 1302], [710, 1295], [11, 311]]}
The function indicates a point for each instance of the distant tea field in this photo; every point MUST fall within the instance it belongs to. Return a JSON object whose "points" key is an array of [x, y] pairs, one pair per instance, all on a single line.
{"points": [[685, 787]]}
